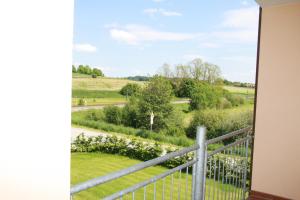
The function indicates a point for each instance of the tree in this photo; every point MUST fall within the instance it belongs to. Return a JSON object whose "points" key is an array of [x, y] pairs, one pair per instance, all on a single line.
{"points": [[155, 98], [183, 71], [97, 72], [130, 89], [205, 96], [166, 71], [213, 73], [197, 68], [84, 69], [186, 87], [74, 69]]}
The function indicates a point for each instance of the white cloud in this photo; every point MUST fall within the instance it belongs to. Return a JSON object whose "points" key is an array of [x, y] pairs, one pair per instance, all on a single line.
{"points": [[244, 18], [84, 48], [133, 34], [160, 11], [238, 26]]}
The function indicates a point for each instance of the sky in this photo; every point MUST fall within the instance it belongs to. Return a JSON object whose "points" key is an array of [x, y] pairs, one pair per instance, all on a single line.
{"points": [[136, 37]]}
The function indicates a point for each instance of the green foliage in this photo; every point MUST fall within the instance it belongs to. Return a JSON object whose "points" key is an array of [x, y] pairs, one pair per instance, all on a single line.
{"points": [[138, 78], [97, 72], [130, 89], [130, 113], [234, 99], [185, 88], [95, 94], [220, 122], [113, 114], [155, 98], [94, 76], [96, 119], [85, 69], [74, 69], [132, 149], [81, 102], [205, 96]]}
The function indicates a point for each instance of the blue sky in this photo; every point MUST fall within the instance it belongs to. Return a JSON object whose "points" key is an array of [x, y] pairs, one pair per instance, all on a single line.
{"points": [[136, 37]]}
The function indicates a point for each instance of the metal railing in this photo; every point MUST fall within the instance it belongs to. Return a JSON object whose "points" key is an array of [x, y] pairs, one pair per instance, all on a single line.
{"points": [[211, 173]]}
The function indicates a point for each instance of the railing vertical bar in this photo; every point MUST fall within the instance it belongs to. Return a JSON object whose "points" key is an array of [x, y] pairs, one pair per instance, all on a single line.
{"points": [[204, 178], [239, 171], [154, 190], [222, 186], [242, 170], [209, 176], [171, 190], [144, 192], [214, 187], [218, 197], [179, 184], [226, 173], [245, 169], [230, 174], [186, 182], [133, 195], [163, 191], [234, 172], [193, 177]]}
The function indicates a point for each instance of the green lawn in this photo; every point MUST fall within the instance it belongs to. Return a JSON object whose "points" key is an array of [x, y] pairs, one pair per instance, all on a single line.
{"points": [[85, 166]]}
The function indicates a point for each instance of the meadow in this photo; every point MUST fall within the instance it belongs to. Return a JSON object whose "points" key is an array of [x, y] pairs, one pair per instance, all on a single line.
{"points": [[240, 90], [105, 91], [85, 166], [85, 82]]}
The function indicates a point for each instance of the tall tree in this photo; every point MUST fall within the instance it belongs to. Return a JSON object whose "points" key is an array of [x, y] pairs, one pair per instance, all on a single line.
{"points": [[166, 71]]}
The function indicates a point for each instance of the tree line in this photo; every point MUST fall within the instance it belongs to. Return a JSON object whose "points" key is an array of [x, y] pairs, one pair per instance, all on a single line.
{"points": [[86, 69], [196, 69]]}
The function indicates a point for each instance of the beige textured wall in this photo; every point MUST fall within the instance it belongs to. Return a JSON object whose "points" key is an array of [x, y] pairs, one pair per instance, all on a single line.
{"points": [[276, 164]]}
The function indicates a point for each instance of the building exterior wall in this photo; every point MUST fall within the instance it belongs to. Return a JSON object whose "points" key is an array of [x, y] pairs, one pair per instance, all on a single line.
{"points": [[276, 158]]}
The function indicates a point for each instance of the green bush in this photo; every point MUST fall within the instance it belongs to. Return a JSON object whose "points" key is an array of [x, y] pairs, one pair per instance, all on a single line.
{"points": [[219, 122], [186, 87], [224, 104], [81, 102], [130, 113], [113, 114], [145, 151], [130, 89], [85, 118], [94, 76], [205, 96], [97, 72]]}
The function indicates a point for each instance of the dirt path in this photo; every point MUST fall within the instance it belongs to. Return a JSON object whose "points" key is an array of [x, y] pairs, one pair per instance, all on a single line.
{"points": [[80, 108]]}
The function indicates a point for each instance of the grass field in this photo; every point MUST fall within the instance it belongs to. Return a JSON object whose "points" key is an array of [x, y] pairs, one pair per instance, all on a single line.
{"points": [[240, 90], [105, 91], [100, 83], [85, 166]]}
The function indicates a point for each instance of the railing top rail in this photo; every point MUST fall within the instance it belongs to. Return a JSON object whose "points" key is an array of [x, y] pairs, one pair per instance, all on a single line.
{"points": [[102, 179], [149, 181], [229, 135]]}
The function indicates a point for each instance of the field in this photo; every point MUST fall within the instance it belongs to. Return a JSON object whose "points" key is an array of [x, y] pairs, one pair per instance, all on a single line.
{"points": [[240, 90], [100, 83], [85, 166], [105, 91]]}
